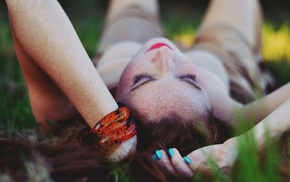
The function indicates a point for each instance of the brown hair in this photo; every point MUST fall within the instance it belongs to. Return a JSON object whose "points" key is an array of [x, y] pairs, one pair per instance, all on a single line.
{"points": [[67, 160], [186, 136]]}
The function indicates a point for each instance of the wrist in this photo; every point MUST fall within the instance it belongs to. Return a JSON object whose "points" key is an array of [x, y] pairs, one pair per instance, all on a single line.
{"points": [[110, 132]]}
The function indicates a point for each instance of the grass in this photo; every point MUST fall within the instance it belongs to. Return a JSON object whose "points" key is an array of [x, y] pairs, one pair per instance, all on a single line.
{"points": [[254, 165], [15, 111], [16, 114]]}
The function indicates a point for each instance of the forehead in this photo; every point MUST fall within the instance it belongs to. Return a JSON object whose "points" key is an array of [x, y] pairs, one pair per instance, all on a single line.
{"points": [[164, 97]]}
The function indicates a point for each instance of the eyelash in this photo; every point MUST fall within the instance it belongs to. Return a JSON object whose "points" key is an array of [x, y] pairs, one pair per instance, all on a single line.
{"points": [[191, 76], [137, 78]]}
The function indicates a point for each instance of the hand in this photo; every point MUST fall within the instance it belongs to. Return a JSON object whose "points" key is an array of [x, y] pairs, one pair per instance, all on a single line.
{"points": [[222, 155], [123, 150], [209, 158], [172, 162]]}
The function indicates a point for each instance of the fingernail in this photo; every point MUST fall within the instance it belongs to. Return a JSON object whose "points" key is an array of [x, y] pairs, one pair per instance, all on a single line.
{"points": [[170, 152], [158, 154], [187, 160], [154, 158]]}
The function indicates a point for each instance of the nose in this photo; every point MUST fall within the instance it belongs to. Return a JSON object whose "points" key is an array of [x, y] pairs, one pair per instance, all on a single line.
{"points": [[164, 60]]}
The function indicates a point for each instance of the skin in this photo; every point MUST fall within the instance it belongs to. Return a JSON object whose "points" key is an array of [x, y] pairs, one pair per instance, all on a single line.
{"points": [[60, 76], [189, 97], [224, 155], [166, 71], [268, 110], [58, 72], [149, 99]]}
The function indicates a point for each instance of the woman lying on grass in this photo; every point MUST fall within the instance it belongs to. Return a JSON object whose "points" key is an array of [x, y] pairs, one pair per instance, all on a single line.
{"points": [[179, 101]]}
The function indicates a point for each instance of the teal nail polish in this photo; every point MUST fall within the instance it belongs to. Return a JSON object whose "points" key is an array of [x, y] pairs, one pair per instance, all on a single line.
{"points": [[154, 158], [158, 154], [187, 160], [170, 152]]}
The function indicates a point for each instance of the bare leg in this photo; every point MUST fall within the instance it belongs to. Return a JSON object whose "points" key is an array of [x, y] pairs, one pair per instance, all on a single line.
{"points": [[243, 15], [117, 7], [130, 20], [231, 30]]}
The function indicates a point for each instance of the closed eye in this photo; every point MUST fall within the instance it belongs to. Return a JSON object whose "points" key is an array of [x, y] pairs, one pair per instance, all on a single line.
{"points": [[141, 76], [144, 78], [191, 79], [141, 79]]}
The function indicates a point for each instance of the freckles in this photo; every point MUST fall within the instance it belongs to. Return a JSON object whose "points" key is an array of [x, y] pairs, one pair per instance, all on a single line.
{"points": [[127, 81], [147, 105]]}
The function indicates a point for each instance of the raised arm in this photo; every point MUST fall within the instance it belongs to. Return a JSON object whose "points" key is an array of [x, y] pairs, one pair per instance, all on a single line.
{"points": [[51, 56], [271, 128], [224, 155], [259, 109], [275, 125]]}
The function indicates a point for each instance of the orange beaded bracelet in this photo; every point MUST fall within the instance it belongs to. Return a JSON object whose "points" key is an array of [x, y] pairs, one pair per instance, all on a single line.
{"points": [[110, 131]]}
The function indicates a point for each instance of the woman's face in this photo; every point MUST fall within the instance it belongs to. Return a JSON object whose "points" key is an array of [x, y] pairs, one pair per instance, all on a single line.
{"points": [[160, 81]]}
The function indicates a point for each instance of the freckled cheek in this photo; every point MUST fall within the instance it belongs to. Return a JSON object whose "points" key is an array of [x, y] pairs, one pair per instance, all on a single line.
{"points": [[127, 81], [123, 88], [202, 105], [146, 105], [127, 77]]}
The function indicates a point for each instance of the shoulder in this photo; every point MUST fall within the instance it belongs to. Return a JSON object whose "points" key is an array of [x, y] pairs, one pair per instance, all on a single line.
{"points": [[114, 60], [219, 96], [211, 63], [216, 83]]}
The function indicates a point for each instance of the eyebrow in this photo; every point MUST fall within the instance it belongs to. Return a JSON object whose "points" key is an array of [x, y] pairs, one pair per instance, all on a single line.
{"points": [[190, 83]]}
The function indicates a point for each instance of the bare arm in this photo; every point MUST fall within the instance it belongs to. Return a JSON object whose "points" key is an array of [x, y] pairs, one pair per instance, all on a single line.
{"points": [[45, 33], [259, 109], [225, 155], [276, 124], [273, 127]]}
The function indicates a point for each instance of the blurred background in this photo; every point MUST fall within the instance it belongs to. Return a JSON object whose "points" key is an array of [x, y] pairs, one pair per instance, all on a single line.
{"points": [[180, 20]]}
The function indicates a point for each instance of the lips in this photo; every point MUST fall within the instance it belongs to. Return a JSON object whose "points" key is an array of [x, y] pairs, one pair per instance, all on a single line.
{"points": [[158, 45]]}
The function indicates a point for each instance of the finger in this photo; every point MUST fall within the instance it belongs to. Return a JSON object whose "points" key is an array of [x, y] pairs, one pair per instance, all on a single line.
{"points": [[179, 163], [200, 158], [162, 159]]}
